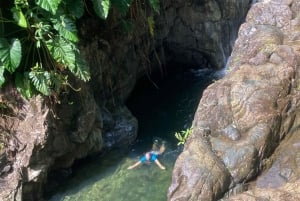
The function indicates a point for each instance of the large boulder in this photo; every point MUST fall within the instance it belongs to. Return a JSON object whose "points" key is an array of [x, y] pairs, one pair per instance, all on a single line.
{"points": [[243, 117]]}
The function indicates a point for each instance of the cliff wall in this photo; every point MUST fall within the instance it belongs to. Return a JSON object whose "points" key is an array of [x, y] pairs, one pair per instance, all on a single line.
{"points": [[247, 123]]}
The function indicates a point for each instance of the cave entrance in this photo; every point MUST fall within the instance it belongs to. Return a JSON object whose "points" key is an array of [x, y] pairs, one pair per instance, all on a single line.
{"points": [[165, 103]]}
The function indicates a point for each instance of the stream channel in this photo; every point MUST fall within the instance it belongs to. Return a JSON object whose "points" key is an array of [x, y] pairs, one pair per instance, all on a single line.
{"points": [[163, 108]]}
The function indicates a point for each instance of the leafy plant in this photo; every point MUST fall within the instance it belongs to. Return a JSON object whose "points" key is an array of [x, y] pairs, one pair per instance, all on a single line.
{"points": [[101, 8], [183, 135], [10, 54], [38, 43], [41, 37]]}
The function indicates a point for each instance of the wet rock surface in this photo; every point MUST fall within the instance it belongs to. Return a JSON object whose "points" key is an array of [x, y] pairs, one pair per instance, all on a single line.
{"points": [[249, 113]]}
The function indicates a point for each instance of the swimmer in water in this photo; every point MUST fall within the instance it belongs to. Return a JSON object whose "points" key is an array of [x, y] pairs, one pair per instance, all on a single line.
{"points": [[151, 156]]}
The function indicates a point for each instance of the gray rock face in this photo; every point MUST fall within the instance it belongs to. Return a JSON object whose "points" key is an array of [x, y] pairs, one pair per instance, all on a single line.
{"points": [[200, 33], [248, 112]]}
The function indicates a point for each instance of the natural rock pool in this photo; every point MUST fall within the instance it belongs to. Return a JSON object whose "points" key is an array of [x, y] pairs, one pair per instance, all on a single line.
{"points": [[161, 111]]}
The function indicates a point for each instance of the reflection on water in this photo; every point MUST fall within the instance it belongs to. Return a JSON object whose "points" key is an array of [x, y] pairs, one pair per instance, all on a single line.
{"points": [[161, 112]]}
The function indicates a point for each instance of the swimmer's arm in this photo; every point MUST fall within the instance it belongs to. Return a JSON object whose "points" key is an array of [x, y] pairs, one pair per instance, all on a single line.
{"points": [[134, 165], [160, 165]]}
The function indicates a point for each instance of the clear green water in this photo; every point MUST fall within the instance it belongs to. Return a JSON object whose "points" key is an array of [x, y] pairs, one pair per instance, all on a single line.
{"points": [[161, 112], [108, 179]]}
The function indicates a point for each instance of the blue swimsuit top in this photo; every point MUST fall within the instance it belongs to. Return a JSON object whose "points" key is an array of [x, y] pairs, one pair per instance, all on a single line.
{"points": [[153, 157]]}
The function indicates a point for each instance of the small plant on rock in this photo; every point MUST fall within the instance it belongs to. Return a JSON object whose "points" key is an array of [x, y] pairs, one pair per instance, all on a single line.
{"points": [[183, 135]]}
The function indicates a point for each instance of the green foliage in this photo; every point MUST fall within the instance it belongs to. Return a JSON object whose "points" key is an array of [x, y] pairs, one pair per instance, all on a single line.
{"points": [[49, 5], [10, 53], [41, 37], [101, 8], [19, 17], [38, 44], [61, 50], [40, 79], [24, 85], [65, 27], [183, 135], [2, 79]]}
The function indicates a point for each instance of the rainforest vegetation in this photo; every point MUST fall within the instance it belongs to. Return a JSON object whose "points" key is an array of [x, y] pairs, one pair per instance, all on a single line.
{"points": [[39, 41]]}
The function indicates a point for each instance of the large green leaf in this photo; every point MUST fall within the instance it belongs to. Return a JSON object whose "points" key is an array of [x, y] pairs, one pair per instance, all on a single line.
{"points": [[62, 51], [75, 7], [10, 53], [19, 17], [65, 53], [49, 5], [66, 27], [101, 8]]}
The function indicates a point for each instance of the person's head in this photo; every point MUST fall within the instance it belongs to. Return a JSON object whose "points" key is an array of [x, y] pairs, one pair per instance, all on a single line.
{"points": [[155, 145]]}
